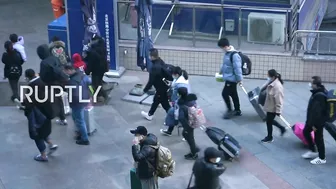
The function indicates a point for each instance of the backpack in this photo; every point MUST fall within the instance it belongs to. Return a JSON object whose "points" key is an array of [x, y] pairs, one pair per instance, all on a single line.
{"points": [[165, 165], [246, 62], [331, 103], [196, 117], [59, 52], [168, 71], [14, 71]]}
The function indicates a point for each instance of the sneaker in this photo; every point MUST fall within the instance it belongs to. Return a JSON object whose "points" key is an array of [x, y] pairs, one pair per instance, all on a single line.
{"points": [[318, 161], [83, 142], [40, 158], [183, 139], [228, 115], [52, 149], [310, 155], [191, 156], [267, 140], [165, 132], [146, 116], [61, 122], [237, 113]]}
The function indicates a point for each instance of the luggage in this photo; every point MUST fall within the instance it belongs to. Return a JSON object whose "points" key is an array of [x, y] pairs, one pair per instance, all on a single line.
{"points": [[134, 16], [331, 128], [66, 104], [254, 100], [135, 181], [225, 142], [262, 97], [137, 90], [89, 120]]}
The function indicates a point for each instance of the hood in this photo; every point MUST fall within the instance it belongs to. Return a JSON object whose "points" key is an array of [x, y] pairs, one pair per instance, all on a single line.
{"points": [[231, 49], [43, 51], [189, 101], [57, 44], [77, 58], [320, 89], [181, 80], [151, 139]]}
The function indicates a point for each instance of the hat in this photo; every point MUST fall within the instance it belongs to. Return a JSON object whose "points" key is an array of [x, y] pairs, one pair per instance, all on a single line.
{"points": [[212, 152], [141, 130]]}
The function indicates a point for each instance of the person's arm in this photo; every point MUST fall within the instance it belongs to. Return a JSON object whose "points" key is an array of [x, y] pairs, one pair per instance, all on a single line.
{"points": [[319, 109], [44, 71], [183, 116], [279, 98], [216, 170], [139, 155], [151, 78], [237, 67], [221, 68]]}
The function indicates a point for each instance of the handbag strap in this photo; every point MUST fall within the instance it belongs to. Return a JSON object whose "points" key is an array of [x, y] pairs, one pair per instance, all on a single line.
{"points": [[189, 184]]}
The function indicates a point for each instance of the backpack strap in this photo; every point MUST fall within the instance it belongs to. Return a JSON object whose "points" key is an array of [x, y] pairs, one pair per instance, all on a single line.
{"points": [[231, 56]]}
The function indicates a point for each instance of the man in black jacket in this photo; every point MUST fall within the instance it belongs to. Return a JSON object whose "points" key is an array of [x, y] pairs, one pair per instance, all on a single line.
{"points": [[208, 169], [51, 73], [145, 157], [316, 119], [156, 76]]}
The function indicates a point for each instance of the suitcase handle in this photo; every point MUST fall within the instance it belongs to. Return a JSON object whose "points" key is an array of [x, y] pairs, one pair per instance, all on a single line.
{"points": [[285, 121], [241, 85]]}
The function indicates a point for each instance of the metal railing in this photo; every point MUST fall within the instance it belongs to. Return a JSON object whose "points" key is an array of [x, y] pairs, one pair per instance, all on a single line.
{"points": [[314, 42], [220, 7]]}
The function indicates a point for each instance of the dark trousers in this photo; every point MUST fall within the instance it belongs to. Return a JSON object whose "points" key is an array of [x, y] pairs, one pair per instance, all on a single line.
{"points": [[319, 141], [230, 90], [14, 85], [97, 80], [60, 105], [40, 144], [270, 116], [188, 134], [159, 98]]}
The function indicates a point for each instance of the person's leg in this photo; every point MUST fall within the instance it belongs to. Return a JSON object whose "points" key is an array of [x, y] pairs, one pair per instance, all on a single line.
{"points": [[320, 147], [42, 148], [278, 125], [226, 96], [52, 147], [307, 134], [170, 122], [188, 134], [164, 102], [269, 123], [62, 119], [13, 83], [102, 92], [154, 106], [78, 115], [235, 99]]}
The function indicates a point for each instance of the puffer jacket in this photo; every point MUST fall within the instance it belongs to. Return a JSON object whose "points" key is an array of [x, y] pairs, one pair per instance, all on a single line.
{"points": [[178, 83], [146, 157], [207, 174], [183, 105], [232, 71], [317, 114]]}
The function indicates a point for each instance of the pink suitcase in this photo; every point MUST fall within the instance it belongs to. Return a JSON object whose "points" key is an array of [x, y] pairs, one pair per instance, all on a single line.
{"points": [[134, 16], [298, 131]]}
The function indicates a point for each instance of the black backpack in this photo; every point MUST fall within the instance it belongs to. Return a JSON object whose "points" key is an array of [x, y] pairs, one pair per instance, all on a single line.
{"points": [[168, 71], [14, 71], [246, 62]]}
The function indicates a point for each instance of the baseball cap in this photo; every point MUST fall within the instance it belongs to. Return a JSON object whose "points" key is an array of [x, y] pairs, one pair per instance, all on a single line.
{"points": [[141, 130]]}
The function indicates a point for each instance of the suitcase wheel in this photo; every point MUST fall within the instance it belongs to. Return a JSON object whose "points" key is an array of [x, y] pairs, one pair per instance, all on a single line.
{"points": [[90, 134]]}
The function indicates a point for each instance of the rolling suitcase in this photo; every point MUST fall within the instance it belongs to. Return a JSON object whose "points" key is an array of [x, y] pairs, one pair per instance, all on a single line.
{"points": [[135, 182], [253, 98], [66, 105], [331, 128], [225, 142], [89, 120]]}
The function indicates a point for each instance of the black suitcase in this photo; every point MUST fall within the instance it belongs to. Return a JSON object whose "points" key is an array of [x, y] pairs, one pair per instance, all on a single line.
{"points": [[253, 97], [331, 128], [225, 142]]}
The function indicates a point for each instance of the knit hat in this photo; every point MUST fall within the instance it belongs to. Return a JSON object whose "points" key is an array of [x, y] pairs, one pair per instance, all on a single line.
{"points": [[212, 152]]}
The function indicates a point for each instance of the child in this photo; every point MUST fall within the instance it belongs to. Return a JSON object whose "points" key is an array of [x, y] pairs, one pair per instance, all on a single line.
{"points": [[18, 43], [78, 62]]}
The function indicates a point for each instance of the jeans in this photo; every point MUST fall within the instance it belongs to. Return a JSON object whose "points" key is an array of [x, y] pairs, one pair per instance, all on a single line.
{"points": [[230, 90], [78, 118], [270, 116], [61, 107], [170, 119], [188, 134], [14, 85], [40, 144], [319, 141], [159, 99], [97, 80]]}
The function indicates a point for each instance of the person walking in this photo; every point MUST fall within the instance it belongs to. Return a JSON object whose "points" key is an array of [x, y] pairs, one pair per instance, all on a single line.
{"points": [[180, 80], [145, 157], [232, 75], [51, 73], [156, 78], [273, 104], [317, 117], [13, 68], [39, 116], [79, 79], [18, 44], [208, 169]]}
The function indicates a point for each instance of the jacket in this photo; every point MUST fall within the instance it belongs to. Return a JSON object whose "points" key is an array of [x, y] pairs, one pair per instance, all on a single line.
{"points": [[36, 123], [157, 73], [317, 108], [79, 79], [207, 174], [183, 105], [96, 59], [56, 44], [20, 48], [232, 71], [145, 157], [178, 83], [50, 66], [274, 97], [9, 59], [78, 63]]}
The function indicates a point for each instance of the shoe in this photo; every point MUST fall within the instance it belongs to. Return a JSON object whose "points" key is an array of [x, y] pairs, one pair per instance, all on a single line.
{"points": [[52, 149], [310, 155], [165, 132], [77, 137], [83, 142], [237, 113], [267, 140], [183, 139], [40, 158], [228, 115], [318, 161], [191, 156], [61, 122], [146, 116]]}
